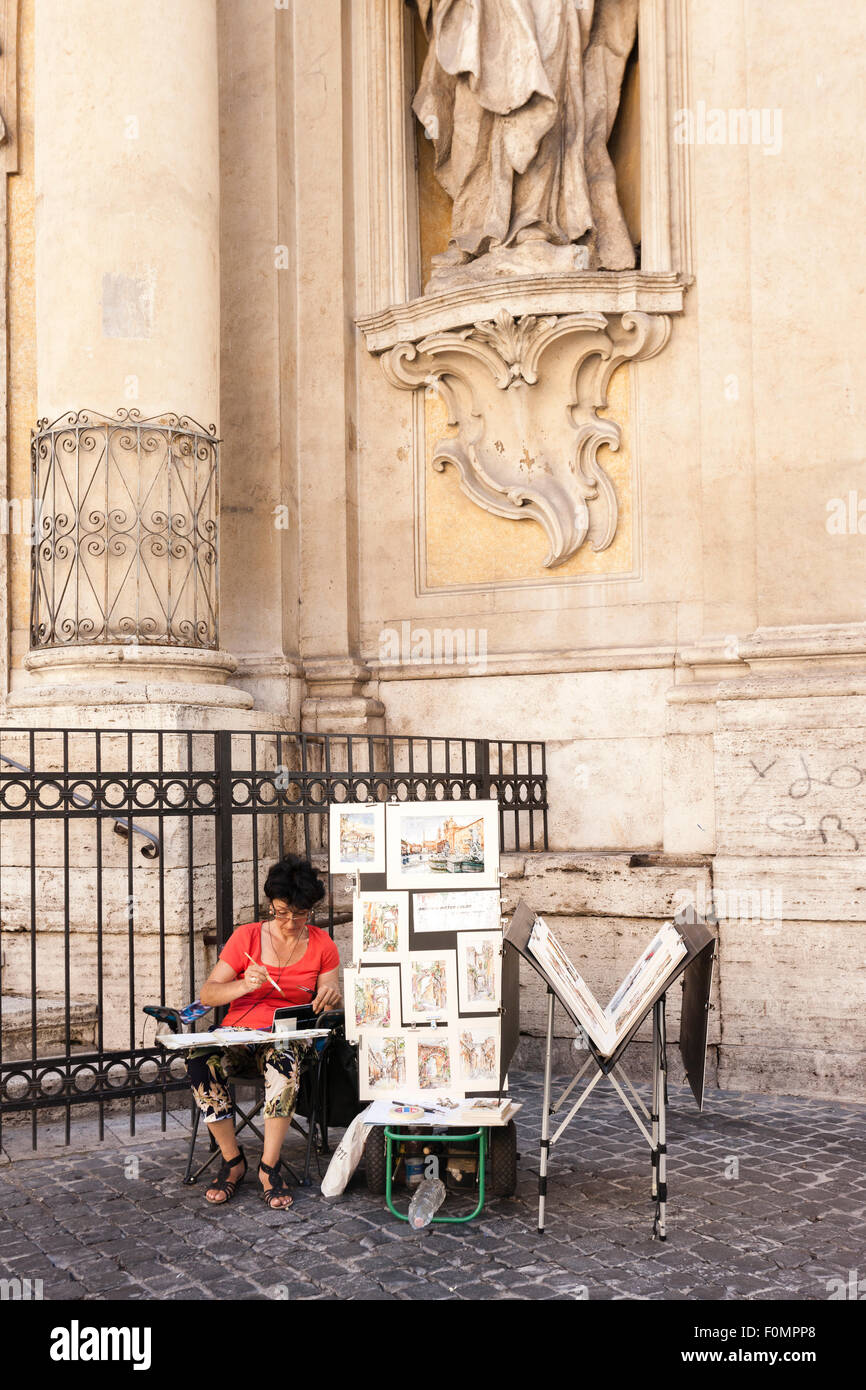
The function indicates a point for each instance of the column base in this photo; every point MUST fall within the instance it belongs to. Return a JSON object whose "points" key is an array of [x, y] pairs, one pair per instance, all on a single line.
{"points": [[275, 682], [355, 714], [135, 675], [335, 702]]}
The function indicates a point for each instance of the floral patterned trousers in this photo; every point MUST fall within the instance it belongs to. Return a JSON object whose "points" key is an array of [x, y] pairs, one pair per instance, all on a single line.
{"points": [[209, 1069]]}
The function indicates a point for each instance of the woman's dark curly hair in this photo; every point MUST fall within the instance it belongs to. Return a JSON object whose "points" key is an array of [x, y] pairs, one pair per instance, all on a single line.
{"points": [[294, 881]]}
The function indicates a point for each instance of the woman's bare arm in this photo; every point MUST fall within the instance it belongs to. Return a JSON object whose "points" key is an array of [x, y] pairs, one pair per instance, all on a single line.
{"points": [[223, 984]]}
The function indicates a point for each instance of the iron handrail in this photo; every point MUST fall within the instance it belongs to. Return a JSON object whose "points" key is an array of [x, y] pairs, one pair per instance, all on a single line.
{"points": [[121, 826]]}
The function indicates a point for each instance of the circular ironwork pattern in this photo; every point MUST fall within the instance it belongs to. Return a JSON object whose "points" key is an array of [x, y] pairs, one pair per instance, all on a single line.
{"points": [[264, 791], [90, 1078], [92, 794]]}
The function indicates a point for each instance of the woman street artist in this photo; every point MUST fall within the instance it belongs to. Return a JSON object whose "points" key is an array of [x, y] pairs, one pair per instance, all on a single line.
{"points": [[302, 963]]}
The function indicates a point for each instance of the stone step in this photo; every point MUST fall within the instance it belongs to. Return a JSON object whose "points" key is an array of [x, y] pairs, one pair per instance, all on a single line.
{"points": [[50, 1026]]}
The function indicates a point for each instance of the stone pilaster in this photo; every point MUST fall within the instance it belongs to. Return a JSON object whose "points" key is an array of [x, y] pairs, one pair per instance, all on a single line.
{"points": [[327, 412], [336, 702]]}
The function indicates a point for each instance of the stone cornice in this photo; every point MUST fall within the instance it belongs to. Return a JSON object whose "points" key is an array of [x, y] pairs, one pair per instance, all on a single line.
{"points": [[280, 667], [816, 685], [607, 292], [816, 642], [774, 663], [830, 659], [825, 640], [532, 664]]}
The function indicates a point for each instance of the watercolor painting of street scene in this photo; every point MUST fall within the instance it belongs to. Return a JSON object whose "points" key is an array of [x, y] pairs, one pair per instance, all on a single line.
{"points": [[357, 837], [380, 926], [434, 1065], [446, 844], [375, 1000], [385, 1062], [478, 1055]]}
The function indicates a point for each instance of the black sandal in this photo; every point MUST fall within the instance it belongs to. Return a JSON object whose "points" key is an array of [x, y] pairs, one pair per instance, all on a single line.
{"points": [[277, 1188], [226, 1184]]}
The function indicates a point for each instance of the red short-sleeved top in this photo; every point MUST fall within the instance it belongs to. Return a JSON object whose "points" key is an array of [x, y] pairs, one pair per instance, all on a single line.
{"points": [[298, 981]]}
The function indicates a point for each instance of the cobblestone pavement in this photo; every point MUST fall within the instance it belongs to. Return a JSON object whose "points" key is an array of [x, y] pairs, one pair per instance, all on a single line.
{"points": [[767, 1200]]}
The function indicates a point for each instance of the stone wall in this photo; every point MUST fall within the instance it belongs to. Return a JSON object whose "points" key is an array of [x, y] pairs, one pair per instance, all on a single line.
{"points": [[789, 995]]}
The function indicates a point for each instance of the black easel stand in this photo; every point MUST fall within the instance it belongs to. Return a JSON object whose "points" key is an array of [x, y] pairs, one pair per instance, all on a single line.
{"points": [[696, 968]]}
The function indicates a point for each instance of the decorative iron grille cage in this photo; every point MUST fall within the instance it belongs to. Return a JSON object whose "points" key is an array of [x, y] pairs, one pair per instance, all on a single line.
{"points": [[125, 531]]}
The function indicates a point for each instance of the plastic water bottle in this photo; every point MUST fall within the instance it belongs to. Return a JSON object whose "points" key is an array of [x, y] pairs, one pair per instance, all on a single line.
{"points": [[428, 1198]]}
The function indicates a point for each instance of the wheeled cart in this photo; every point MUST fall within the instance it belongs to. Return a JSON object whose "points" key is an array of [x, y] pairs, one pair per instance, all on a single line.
{"points": [[493, 1145]]}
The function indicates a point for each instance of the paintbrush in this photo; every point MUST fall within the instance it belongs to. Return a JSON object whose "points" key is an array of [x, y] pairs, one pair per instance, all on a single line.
{"points": [[270, 981]]}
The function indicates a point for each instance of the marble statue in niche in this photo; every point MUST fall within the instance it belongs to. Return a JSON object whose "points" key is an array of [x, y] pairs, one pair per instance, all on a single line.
{"points": [[519, 98]]}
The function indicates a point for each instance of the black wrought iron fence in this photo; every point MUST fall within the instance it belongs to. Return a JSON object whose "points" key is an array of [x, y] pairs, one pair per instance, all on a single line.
{"points": [[128, 857]]}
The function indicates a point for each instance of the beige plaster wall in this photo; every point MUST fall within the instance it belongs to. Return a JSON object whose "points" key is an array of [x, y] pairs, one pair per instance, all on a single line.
{"points": [[604, 733], [740, 433], [808, 311]]}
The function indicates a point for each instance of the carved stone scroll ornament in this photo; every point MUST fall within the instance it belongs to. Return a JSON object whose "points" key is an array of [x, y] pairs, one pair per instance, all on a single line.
{"points": [[527, 448]]}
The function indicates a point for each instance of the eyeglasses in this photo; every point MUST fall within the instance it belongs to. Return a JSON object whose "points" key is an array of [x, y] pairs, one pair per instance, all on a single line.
{"points": [[273, 916]]}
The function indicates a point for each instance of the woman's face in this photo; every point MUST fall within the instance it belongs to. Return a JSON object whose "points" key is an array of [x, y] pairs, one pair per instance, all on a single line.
{"points": [[287, 916]]}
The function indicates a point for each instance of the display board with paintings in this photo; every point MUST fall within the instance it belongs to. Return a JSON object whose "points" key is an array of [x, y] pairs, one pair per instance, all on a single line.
{"points": [[424, 992]]}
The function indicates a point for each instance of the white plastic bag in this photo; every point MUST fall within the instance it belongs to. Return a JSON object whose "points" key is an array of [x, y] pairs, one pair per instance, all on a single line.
{"points": [[347, 1156]]}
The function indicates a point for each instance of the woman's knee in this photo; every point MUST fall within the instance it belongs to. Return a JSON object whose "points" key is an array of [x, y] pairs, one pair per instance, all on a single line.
{"points": [[211, 1095], [282, 1059], [281, 1087], [204, 1064]]}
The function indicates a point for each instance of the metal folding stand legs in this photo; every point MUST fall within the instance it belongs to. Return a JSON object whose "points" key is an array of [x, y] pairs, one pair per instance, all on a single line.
{"points": [[659, 1109], [545, 1115], [656, 1117]]}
